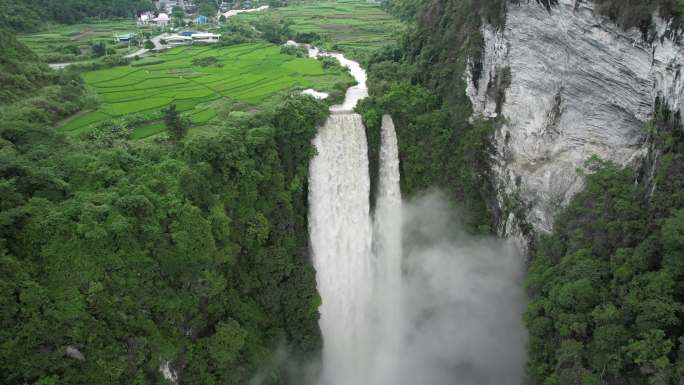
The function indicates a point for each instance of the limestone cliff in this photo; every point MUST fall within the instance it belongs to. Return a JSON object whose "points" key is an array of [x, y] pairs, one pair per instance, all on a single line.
{"points": [[568, 84]]}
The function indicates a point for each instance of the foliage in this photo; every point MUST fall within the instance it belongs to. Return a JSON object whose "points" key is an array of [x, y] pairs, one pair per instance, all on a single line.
{"points": [[206, 7], [99, 49], [30, 15], [20, 70], [237, 31], [638, 13], [405, 10], [176, 127], [296, 51], [205, 61], [178, 16], [307, 37], [608, 281], [439, 146], [134, 255], [274, 30]]}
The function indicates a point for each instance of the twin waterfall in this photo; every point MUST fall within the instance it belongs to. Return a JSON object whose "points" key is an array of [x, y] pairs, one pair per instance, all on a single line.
{"points": [[445, 309], [358, 265]]}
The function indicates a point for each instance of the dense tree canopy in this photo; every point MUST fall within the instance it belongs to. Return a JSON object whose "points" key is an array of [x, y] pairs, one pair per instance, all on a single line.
{"points": [[117, 257], [420, 82], [608, 285], [29, 15]]}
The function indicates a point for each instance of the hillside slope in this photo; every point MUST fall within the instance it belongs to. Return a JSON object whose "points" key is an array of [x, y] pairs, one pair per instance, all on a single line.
{"points": [[126, 262]]}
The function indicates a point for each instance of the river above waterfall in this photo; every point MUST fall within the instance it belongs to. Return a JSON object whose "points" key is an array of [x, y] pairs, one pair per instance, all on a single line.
{"points": [[355, 93]]}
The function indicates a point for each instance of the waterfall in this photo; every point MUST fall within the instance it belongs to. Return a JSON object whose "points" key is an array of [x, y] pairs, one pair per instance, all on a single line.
{"points": [[443, 310], [358, 276], [387, 282], [341, 231]]}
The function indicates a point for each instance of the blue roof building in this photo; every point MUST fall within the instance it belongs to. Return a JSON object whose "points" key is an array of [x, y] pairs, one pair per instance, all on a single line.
{"points": [[201, 20], [126, 37]]}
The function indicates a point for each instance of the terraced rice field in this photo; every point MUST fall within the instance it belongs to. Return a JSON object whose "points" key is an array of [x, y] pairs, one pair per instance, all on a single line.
{"points": [[50, 43], [248, 73], [348, 24]]}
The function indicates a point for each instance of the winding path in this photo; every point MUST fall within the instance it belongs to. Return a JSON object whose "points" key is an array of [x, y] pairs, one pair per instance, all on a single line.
{"points": [[157, 46]]}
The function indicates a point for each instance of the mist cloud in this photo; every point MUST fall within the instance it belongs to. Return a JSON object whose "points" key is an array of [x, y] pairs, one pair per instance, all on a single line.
{"points": [[452, 315], [462, 302]]}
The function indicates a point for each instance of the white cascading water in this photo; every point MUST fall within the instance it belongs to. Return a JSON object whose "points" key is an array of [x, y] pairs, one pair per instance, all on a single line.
{"points": [[352, 269], [341, 231], [358, 276], [447, 314], [386, 307]]}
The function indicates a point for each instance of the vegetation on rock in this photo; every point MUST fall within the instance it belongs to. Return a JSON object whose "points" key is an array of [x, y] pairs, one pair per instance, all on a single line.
{"points": [[608, 285]]}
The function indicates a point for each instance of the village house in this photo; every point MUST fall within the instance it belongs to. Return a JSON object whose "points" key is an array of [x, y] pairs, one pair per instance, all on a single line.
{"points": [[162, 20], [126, 37], [206, 37], [146, 18], [178, 40]]}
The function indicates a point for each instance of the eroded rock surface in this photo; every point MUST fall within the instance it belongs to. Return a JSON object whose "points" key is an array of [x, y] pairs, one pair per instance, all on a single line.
{"points": [[569, 84]]}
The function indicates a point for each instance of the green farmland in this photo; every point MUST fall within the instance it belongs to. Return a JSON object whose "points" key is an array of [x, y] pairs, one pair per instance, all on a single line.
{"points": [[250, 74], [57, 42], [344, 25]]}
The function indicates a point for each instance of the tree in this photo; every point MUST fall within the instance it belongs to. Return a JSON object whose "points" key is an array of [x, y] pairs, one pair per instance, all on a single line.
{"points": [[99, 49], [149, 44], [207, 8], [176, 126], [178, 15], [198, 257]]}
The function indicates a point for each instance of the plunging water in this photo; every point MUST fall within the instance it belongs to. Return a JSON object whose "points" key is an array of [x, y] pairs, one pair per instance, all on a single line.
{"points": [[341, 233], [447, 314], [386, 303], [359, 285], [340, 230]]}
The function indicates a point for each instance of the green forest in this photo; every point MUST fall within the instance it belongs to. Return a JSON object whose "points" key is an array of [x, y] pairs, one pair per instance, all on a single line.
{"points": [[116, 255], [31, 15], [119, 257], [607, 286]]}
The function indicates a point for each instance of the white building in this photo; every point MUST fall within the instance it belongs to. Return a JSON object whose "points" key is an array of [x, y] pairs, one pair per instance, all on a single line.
{"points": [[162, 19], [178, 40], [146, 18], [234, 12], [206, 37]]}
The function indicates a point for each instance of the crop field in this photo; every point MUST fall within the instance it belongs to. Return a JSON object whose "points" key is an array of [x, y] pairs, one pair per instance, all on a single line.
{"points": [[347, 24], [248, 73], [52, 43]]}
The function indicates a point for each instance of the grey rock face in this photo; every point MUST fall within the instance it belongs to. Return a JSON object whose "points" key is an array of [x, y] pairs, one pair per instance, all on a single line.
{"points": [[569, 85]]}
